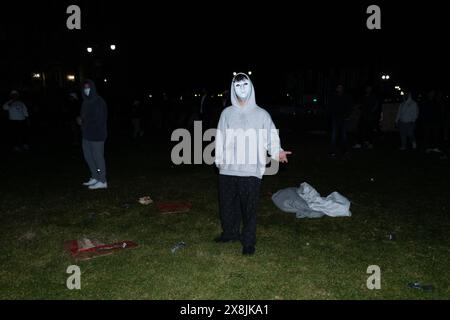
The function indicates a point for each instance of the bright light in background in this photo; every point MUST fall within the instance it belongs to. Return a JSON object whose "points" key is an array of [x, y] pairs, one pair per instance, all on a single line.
{"points": [[402, 93], [249, 73], [89, 49], [388, 77], [105, 80], [36, 75], [150, 96], [234, 74], [113, 47], [71, 77]]}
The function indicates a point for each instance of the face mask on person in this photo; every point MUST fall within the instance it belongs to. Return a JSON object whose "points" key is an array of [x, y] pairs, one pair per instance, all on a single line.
{"points": [[87, 91], [242, 89]]}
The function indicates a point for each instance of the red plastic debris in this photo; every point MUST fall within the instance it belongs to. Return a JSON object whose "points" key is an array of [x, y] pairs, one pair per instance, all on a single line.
{"points": [[174, 207]]}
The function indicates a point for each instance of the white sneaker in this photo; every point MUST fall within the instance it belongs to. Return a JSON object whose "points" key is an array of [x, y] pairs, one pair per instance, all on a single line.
{"points": [[91, 182], [99, 185]]}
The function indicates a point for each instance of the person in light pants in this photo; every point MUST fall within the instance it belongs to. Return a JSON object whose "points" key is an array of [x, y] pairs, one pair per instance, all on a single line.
{"points": [[407, 115], [93, 121]]}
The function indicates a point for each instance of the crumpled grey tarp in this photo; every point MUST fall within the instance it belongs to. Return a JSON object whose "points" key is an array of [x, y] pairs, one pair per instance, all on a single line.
{"points": [[306, 202]]}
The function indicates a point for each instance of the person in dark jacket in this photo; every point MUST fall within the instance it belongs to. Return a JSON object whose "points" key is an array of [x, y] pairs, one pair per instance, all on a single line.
{"points": [[367, 120], [431, 117], [94, 114], [340, 108], [137, 113]]}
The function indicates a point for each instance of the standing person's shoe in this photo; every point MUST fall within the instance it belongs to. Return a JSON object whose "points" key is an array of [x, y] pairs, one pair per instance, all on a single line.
{"points": [[91, 182], [99, 185], [248, 250]]}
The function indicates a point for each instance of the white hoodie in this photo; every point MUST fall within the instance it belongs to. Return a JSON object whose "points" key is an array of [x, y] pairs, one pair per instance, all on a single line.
{"points": [[408, 111], [251, 124]]}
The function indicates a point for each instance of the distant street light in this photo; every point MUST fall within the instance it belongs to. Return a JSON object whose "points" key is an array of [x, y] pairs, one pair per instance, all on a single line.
{"points": [[71, 77], [113, 47], [105, 80], [89, 49], [36, 75], [249, 73]]}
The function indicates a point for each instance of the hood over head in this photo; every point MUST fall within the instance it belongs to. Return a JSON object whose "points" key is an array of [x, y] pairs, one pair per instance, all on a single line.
{"points": [[408, 98], [251, 100], [93, 92]]}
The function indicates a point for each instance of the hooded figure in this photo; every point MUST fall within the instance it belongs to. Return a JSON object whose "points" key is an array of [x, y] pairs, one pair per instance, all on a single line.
{"points": [[408, 110], [245, 134], [244, 119], [406, 121], [94, 115]]}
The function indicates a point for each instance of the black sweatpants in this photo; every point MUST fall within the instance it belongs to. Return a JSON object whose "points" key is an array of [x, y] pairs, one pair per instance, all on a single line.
{"points": [[238, 201]]}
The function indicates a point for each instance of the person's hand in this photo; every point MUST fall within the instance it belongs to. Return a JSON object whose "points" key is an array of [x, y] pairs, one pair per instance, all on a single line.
{"points": [[283, 156]]}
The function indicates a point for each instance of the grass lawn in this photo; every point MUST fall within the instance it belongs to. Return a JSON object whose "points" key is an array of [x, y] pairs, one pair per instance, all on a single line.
{"points": [[41, 195]]}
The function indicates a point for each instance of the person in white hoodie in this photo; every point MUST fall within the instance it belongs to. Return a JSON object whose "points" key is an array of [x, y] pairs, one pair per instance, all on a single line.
{"points": [[18, 115], [245, 134], [407, 115]]}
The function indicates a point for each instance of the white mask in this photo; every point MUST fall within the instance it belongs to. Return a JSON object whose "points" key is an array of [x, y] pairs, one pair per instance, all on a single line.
{"points": [[243, 89], [87, 91]]}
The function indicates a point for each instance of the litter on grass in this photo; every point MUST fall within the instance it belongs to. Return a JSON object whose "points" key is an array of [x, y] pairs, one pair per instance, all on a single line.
{"points": [[87, 249], [145, 201], [173, 207], [178, 246], [419, 286], [306, 202]]}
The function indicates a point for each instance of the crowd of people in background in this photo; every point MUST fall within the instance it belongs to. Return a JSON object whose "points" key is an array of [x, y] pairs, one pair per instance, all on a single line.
{"points": [[428, 117], [423, 120]]}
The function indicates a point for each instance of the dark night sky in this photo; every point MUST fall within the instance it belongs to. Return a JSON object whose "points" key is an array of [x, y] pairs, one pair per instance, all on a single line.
{"points": [[181, 42]]}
